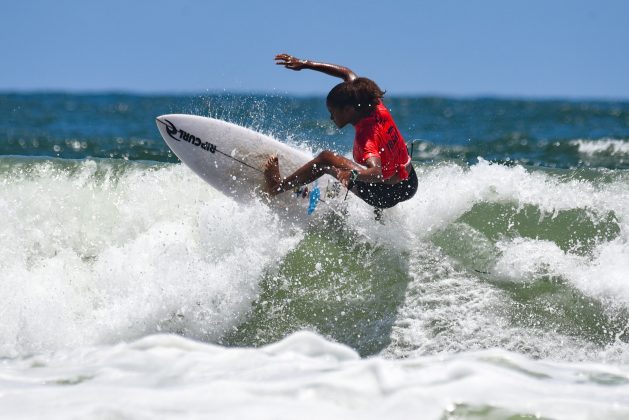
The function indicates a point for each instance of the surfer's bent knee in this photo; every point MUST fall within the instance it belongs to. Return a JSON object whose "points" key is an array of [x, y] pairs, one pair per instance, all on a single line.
{"points": [[326, 156]]}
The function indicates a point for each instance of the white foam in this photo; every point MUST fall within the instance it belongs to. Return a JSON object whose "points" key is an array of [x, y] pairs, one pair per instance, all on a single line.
{"points": [[526, 260], [95, 258], [602, 276], [613, 147], [304, 377]]}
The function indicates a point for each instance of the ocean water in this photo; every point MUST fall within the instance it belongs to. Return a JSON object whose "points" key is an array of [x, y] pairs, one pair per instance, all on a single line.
{"points": [[132, 289]]}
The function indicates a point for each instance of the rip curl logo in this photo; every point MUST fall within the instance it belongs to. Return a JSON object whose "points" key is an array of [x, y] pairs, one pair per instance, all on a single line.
{"points": [[180, 135]]}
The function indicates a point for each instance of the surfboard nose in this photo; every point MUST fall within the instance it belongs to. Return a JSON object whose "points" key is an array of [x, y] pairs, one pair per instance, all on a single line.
{"points": [[162, 119], [167, 117]]}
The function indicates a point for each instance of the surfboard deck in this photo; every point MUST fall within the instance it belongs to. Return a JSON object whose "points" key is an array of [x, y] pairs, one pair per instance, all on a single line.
{"points": [[230, 158]]}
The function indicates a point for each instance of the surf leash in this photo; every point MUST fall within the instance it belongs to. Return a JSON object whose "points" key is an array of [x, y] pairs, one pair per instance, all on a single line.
{"points": [[240, 161], [353, 176]]}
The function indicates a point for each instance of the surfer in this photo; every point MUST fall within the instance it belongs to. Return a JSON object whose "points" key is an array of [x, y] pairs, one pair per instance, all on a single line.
{"points": [[381, 173]]}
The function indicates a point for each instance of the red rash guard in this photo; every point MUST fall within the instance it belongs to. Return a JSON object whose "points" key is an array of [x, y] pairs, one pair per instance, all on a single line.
{"points": [[377, 135]]}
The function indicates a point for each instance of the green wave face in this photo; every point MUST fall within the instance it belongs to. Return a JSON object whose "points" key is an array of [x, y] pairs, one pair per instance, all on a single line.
{"points": [[334, 283]]}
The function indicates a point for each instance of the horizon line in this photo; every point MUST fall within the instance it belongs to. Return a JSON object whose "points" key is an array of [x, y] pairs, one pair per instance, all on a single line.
{"points": [[276, 93]]}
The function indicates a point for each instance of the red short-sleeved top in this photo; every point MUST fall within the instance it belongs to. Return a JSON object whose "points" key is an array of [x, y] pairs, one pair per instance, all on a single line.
{"points": [[377, 135]]}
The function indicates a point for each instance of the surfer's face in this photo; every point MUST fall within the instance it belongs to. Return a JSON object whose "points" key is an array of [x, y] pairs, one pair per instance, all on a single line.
{"points": [[341, 115]]}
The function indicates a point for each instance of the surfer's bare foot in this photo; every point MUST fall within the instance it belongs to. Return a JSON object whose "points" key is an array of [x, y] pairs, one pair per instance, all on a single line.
{"points": [[272, 175]]}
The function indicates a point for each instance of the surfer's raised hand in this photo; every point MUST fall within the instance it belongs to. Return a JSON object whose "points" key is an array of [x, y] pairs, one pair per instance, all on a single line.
{"points": [[290, 62], [295, 63]]}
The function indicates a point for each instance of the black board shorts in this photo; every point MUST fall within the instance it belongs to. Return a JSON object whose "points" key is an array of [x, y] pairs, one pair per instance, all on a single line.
{"points": [[382, 195]]}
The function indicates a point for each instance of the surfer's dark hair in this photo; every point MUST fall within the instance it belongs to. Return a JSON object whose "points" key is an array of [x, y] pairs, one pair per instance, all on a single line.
{"points": [[360, 93]]}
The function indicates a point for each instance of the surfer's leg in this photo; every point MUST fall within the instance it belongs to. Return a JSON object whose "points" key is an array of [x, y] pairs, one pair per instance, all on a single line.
{"points": [[326, 162]]}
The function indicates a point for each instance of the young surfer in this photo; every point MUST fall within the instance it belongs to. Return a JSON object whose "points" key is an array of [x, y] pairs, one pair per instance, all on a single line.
{"points": [[381, 173]]}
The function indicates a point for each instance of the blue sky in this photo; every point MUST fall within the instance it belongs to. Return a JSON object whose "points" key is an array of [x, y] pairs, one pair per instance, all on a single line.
{"points": [[533, 48]]}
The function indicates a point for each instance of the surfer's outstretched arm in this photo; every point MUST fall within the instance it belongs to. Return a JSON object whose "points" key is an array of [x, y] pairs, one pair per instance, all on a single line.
{"points": [[295, 63]]}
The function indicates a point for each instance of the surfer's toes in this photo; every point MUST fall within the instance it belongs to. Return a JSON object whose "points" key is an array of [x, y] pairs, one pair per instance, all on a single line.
{"points": [[271, 162]]}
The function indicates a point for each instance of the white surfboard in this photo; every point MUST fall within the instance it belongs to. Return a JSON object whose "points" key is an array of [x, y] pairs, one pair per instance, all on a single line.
{"points": [[230, 158]]}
